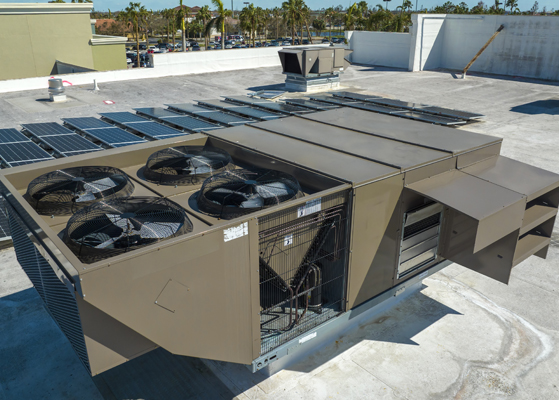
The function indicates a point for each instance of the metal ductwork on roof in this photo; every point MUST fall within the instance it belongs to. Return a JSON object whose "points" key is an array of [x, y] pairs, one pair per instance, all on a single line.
{"points": [[240, 244]]}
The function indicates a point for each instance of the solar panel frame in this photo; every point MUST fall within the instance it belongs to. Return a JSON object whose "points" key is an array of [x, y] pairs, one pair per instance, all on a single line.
{"points": [[64, 144], [156, 112], [245, 100], [355, 96], [190, 123], [17, 153], [86, 123], [114, 137], [449, 112], [433, 119], [378, 108], [219, 104], [332, 100], [154, 130], [42, 129], [406, 105], [12, 135], [123, 117], [312, 105]]}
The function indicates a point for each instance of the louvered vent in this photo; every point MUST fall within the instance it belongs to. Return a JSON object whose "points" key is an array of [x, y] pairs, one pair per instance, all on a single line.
{"points": [[58, 300]]}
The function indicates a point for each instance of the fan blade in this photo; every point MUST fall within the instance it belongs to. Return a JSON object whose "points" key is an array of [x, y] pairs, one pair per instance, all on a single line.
{"points": [[273, 189], [159, 230], [253, 202]]}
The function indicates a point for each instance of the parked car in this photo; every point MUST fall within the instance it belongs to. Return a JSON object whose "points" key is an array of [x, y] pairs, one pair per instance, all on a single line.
{"points": [[217, 47], [196, 47], [325, 40], [286, 43], [143, 47], [305, 41]]}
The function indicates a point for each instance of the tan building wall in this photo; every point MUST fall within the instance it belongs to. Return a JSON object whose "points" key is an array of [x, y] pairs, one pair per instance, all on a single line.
{"points": [[109, 57], [35, 36]]}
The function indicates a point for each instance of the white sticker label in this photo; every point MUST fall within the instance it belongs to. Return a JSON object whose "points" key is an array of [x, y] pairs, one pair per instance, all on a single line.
{"points": [[310, 207], [288, 240], [235, 232], [307, 338]]}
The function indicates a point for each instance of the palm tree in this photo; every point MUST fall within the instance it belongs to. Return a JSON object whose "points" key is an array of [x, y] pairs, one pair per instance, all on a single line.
{"points": [[319, 25], [219, 20], [512, 4], [204, 15], [134, 14], [249, 18], [305, 16], [265, 18], [349, 17], [181, 18], [168, 14], [276, 12], [330, 13], [292, 14]]}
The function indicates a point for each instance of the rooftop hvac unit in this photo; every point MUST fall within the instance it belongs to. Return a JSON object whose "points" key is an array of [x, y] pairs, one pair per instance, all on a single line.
{"points": [[244, 243]]}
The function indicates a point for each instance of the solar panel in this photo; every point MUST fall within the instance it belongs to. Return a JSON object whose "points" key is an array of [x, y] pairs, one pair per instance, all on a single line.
{"points": [[448, 112], [313, 105], [85, 123], [155, 130], [114, 136], [269, 105], [123, 117], [332, 100], [377, 108], [15, 153], [188, 108], [246, 100], [46, 129], [397, 103], [218, 104], [224, 118], [434, 119], [67, 144], [355, 96], [12, 135], [156, 112], [190, 123]]}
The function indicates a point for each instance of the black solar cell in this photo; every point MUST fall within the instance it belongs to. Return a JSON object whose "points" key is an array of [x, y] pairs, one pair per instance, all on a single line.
{"points": [[123, 117], [154, 130], [225, 118], [85, 123], [12, 135], [190, 123], [313, 105], [46, 129], [24, 151], [69, 143], [188, 108], [156, 112], [255, 113], [114, 135]]}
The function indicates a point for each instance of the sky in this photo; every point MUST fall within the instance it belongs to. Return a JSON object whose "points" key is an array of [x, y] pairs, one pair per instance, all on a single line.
{"points": [[114, 5]]}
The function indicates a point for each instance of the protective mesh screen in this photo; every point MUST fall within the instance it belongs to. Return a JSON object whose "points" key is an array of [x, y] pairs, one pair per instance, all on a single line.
{"points": [[117, 226], [186, 165], [303, 268], [65, 191], [239, 192]]}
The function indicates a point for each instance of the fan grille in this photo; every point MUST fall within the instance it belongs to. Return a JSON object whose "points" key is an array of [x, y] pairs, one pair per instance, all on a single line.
{"points": [[65, 191], [117, 226], [239, 192], [186, 165]]}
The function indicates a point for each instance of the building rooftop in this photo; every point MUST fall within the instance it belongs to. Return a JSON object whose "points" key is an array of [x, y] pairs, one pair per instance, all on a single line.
{"points": [[460, 334]]}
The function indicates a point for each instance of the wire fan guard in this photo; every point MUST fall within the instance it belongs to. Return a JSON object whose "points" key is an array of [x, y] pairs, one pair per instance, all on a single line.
{"points": [[186, 165], [239, 192], [117, 226], [65, 191]]}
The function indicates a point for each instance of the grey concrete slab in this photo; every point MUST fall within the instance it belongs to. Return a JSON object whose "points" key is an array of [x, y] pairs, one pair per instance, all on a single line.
{"points": [[463, 336]]}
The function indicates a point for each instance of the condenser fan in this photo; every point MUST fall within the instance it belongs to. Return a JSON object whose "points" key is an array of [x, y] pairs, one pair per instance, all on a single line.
{"points": [[65, 191], [239, 192], [116, 226], [186, 165]]}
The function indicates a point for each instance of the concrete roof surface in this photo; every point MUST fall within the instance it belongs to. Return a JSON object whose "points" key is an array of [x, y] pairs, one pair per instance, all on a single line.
{"points": [[460, 335]]}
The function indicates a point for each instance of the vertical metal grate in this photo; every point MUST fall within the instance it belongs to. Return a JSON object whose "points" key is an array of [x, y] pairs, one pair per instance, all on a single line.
{"points": [[58, 300], [303, 268]]}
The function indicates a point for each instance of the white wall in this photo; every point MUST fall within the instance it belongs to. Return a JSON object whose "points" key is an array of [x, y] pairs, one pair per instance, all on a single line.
{"points": [[379, 48], [167, 64], [528, 46]]}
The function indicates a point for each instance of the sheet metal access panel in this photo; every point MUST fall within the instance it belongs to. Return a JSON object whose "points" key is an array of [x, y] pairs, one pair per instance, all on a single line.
{"points": [[244, 111], [154, 130], [355, 96], [385, 151], [123, 117], [311, 156], [211, 114], [21, 153], [12, 135], [61, 140], [269, 105], [431, 136], [184, 122], [313, 105], [114, 137]]}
